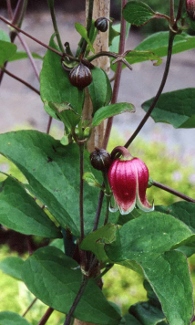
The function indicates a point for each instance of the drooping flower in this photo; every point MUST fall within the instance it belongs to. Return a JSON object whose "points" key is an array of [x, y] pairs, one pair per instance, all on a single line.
{"points": [[128, 179], [190, 8]]}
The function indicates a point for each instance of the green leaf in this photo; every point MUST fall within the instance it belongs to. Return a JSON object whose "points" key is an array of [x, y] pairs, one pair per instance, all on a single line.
{"points": [[56, 88], [114, 35], [144, 244], [140, 56], [55, 279], [12, 266], [66, 113], [111, 110], [83, 32], [91, 180], [137, 13], [52, 171], [96, 240], [20, 212], [4, 36], [190, 23], [100, 89], [158, 43], [153, 300], [152, 232], [147, 314], [23, 55], [7, 50], [175, 291], [10, 318], [129, 320], [184, 211], [175, 107]]}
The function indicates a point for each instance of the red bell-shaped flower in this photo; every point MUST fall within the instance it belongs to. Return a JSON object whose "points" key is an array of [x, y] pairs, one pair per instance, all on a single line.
{"points": [[128, 180], [190, 8]]}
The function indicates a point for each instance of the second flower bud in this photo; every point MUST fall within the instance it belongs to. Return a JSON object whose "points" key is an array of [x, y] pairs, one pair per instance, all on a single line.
{"points": [[80, 76]]}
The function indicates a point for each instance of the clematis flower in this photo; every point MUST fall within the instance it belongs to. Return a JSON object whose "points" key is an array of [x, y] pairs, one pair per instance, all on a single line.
{"points": [[128, 179], [190, 8]]}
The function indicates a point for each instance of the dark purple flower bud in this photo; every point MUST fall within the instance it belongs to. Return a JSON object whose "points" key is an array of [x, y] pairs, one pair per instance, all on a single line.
{"points": [[101, 24], [100, 159], [128, 180], [80, 76], [190, 8]]}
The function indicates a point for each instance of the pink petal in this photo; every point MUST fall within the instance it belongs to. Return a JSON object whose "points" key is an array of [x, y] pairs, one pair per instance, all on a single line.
{"points": [[122, 179], [142, 183]]}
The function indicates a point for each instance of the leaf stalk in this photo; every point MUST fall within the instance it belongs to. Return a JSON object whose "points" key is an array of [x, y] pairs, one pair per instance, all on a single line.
{"points": [[161, 87], [172, 191]]}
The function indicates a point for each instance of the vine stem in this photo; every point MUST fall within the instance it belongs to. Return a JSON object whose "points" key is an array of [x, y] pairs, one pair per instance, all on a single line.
{"points": [[161, 87], [179, 12], [49, 124], [99, 208], [9, 8], [31, 37], [118, 57], [106, 187], [76, 300], [118, 76], [172, 191], [16, 18], [88, 27], [55, 26], [29, 307], [46, 316], [32, 61], [89, 16], [171, 10], [81, 209], [20, 80]]}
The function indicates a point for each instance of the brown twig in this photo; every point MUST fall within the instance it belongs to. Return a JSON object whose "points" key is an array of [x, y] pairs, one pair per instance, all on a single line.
{"points": [[46, 316], [20, 80], [172, 191], [29, 307], [31, 37], [118, 75]]}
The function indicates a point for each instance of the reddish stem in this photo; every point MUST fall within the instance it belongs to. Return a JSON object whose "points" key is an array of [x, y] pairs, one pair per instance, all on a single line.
{"points": [[172, 191], [31, 37], [118, 76], [159, 92], [46, 316], [20, 80], [120, 150]]}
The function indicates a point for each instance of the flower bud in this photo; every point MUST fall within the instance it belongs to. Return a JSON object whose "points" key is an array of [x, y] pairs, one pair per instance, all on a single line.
{"points": [[190, 8], [101, 24], [100, 159], [80, 76], [128, 180]]}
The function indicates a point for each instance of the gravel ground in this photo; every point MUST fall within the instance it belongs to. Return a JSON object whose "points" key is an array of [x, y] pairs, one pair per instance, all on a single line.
{"points": [[20, 106]]}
